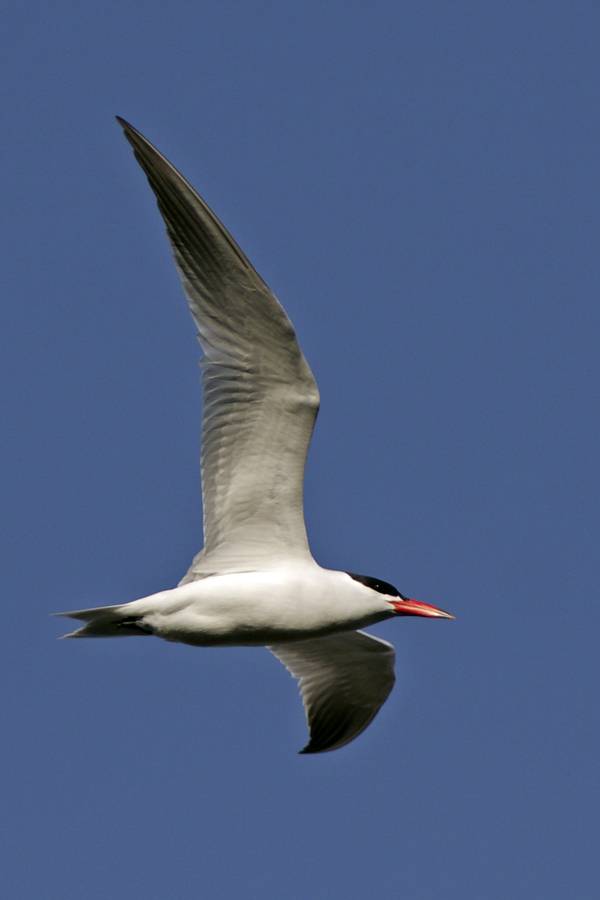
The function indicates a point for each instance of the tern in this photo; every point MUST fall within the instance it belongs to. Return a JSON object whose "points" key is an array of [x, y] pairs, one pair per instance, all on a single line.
{"points": [[255, 582]]}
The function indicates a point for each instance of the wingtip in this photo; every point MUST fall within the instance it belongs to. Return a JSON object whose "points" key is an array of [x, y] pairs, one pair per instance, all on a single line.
{"points": [[311, 749], [129, 131]]}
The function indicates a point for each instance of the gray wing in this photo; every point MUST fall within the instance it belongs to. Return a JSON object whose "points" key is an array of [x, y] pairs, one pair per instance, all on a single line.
{"points": [[260, 399], [344, 680]]}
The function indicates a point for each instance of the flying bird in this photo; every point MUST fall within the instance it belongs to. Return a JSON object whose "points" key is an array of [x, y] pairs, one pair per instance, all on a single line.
{"points": [[255, 582]]}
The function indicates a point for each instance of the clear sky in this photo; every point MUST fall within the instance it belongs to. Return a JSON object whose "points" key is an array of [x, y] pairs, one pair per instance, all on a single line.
{"points": [[418, 182]]}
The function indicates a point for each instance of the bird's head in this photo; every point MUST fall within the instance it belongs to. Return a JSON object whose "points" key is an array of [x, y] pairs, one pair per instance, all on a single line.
{"points": [[401, 605]]}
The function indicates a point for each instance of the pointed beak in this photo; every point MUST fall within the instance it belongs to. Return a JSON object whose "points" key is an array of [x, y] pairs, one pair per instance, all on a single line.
{"points": [[416, 608]]}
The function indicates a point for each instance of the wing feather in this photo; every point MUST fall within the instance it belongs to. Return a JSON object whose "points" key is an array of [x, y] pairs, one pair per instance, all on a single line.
{"points": [[344, 680]]}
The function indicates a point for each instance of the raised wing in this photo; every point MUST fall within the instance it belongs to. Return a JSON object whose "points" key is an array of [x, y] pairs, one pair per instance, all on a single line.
{"points": [[344, 680], [260, 399]]}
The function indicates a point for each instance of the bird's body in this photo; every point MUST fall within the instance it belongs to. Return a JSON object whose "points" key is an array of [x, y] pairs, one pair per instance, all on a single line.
{"points": [[255, 581], [293, 602]]}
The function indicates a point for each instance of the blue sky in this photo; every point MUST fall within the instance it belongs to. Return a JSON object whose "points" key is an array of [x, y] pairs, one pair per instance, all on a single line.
{"points": [[419, 185]]}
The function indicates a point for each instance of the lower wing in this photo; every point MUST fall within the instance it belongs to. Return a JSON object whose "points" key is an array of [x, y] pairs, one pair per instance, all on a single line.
{"points": [[344, 680]]}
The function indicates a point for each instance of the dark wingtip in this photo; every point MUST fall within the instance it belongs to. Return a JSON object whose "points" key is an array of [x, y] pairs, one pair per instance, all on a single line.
{"points": [[310, 748], [129, 130]]}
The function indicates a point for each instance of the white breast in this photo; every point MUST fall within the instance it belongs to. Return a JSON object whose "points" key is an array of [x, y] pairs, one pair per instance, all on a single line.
{"points": [[279, 605]]}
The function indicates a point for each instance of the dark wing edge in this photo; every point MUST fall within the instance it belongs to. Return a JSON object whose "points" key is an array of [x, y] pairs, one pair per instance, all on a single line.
{"points": [[344, 680], [218, 278]]}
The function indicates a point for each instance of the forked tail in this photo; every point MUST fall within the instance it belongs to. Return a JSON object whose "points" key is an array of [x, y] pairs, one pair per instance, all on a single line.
{"points": [[106, 621]]}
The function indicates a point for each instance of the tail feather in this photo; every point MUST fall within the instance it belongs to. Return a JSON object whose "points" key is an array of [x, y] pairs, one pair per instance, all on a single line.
{"points": [[106, 621], [86, 615]]}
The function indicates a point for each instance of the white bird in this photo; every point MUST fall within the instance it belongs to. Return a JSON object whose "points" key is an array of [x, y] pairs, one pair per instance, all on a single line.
{"points": [[255, 581]]}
